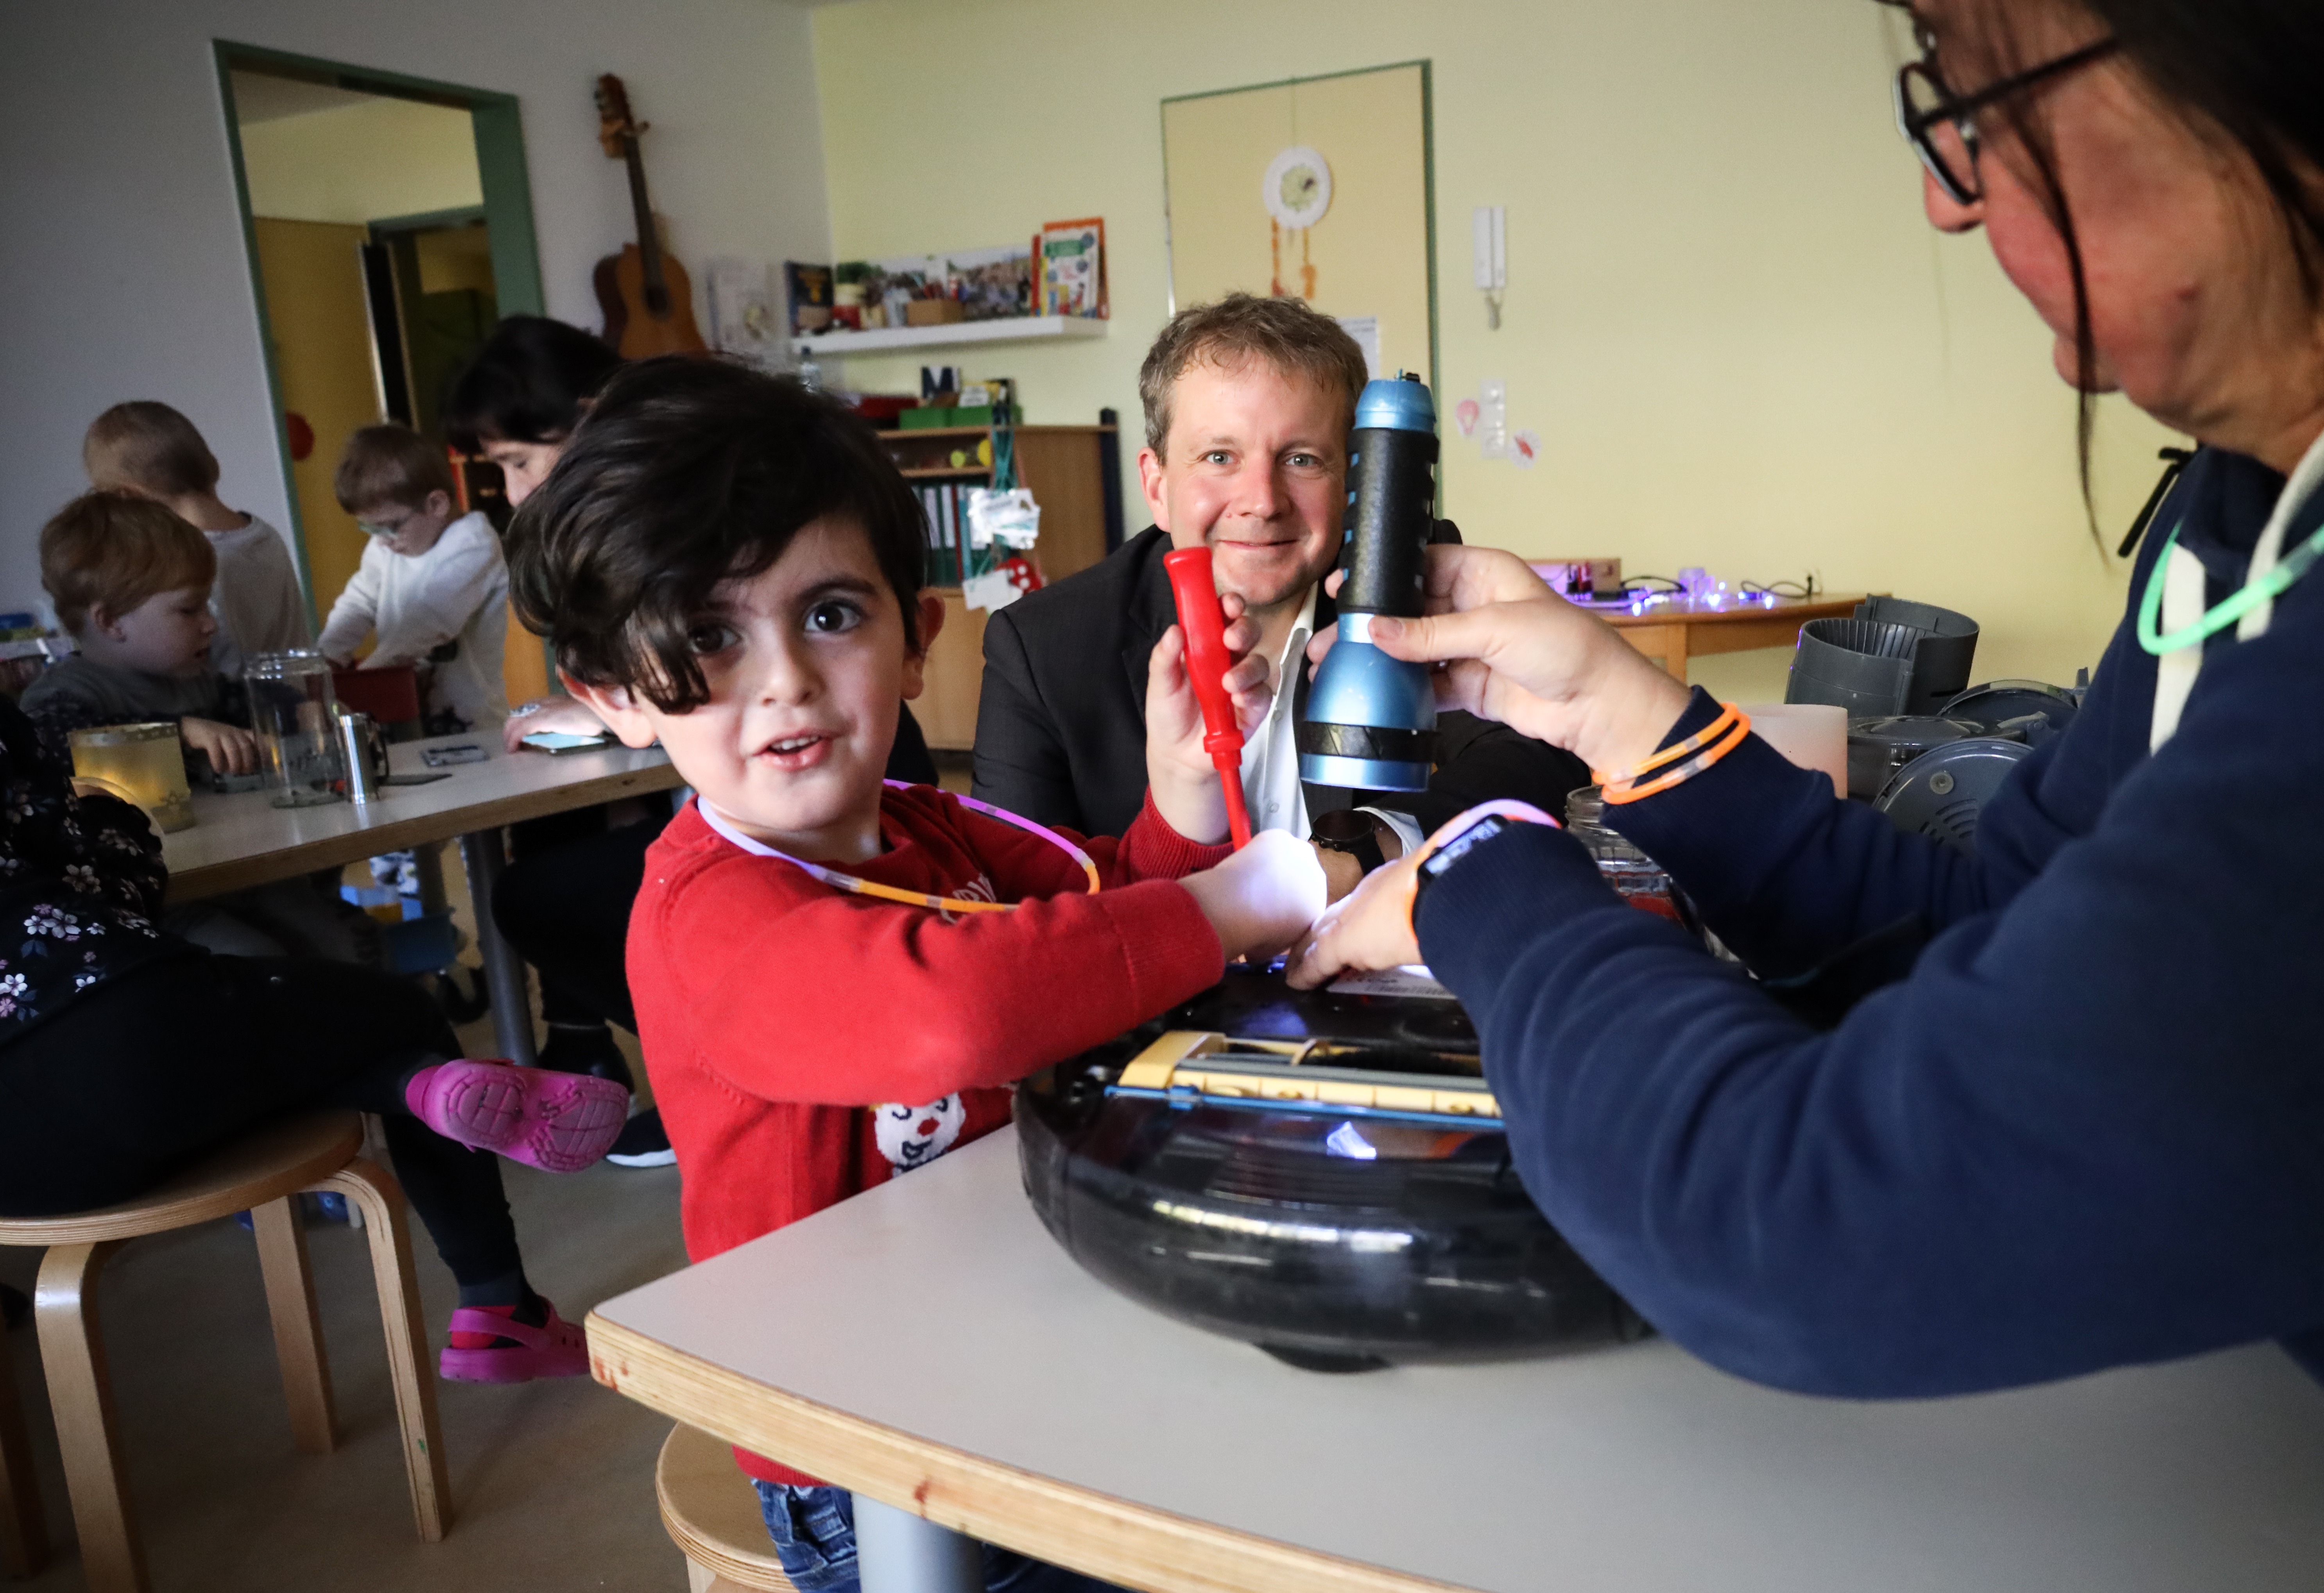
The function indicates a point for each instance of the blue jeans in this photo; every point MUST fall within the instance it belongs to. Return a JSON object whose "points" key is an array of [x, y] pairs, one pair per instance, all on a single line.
{"points": [[814, 1530]]}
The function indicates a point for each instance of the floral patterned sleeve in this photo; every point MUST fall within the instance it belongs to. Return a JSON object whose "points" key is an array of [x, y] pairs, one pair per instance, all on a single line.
{"points": [[80, 881]]}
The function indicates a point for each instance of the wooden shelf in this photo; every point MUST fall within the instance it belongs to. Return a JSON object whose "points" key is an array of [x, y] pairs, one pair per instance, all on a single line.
{"points": [[946, 470], [895, 433], [896, 339]]}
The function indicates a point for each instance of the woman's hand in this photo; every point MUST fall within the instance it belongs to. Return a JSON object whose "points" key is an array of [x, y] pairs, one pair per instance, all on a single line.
{"points": [[1515, 652], [549, 714], [1368, 930], [1263, 898], [230, 749], [1185, 783]]}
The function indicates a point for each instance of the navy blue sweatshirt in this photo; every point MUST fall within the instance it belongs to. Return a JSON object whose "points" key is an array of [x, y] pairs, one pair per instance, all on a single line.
{"points": [[2085, 1129]]}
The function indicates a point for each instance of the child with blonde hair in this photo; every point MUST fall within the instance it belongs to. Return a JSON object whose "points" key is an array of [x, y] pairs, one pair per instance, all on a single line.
{"points": [[152, 451]]}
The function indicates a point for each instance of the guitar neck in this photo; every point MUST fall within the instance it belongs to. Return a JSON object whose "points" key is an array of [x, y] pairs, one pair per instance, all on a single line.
{"points": [[649, 240]]}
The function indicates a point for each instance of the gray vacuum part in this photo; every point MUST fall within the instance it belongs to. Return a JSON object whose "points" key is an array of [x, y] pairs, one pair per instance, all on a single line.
{"points": [[2000, 700], [1858, 665], [1877, 748], [1943, 793], [1940, 663]]}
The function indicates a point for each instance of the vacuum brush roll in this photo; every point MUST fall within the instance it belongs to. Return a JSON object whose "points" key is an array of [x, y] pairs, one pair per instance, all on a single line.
{"points": [[1371, 720]]}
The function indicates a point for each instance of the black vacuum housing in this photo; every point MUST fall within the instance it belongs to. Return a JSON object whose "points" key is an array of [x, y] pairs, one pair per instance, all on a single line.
{"points": [[1337, 1240]]}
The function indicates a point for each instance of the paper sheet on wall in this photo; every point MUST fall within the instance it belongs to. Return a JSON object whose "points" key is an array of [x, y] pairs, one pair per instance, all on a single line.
{"points": [[1365, 330]]}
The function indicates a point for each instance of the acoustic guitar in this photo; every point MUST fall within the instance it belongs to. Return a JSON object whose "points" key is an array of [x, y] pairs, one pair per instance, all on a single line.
{"points": [[648, 303]]}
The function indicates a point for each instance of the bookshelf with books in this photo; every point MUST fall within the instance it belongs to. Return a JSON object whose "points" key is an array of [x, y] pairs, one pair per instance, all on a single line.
{"points": [[1073, 474]]}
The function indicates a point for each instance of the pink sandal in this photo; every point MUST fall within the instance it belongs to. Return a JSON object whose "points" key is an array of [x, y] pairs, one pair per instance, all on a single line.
{"points": [[559, 1122], [556, 1348]]}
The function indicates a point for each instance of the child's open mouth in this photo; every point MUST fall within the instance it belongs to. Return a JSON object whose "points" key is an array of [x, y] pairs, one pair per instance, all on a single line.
{"points": [[798, 751]]}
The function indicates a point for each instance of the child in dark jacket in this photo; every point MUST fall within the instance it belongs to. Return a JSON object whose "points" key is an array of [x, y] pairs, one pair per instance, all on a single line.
{"points": [[837, 979]]}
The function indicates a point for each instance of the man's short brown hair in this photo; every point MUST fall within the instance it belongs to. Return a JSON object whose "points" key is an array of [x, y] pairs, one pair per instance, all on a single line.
{"points": [[114, 551], [1286, 333], [145, 446], [391, 464]]}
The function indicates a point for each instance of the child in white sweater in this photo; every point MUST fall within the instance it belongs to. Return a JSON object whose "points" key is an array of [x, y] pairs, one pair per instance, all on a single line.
{"points": [[432, 587]]}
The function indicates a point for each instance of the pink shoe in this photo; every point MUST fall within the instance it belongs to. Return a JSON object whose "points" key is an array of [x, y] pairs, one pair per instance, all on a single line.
{"points": [[557, 1348], [559, 1122]]}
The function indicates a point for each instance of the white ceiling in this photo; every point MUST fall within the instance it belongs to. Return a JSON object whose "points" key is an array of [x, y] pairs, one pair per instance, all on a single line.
{"points": [[259, 98]]}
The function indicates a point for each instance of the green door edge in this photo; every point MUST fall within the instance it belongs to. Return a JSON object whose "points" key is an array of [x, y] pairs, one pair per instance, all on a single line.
{"points": [[508, 211]]}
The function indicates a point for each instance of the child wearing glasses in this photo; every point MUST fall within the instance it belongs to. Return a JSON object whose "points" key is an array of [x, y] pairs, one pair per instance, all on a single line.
{"points": [[432, 587], [836, 978]]}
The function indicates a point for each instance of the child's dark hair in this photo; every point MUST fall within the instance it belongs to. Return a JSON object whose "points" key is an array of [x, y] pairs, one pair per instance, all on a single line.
{"points": [[687, 474], [527, 384]]}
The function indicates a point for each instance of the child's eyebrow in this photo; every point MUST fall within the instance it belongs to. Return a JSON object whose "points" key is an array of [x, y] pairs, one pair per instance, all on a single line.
{"points": [[854, 585]]}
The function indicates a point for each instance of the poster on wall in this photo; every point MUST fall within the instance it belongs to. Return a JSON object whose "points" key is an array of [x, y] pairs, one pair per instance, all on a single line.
{"points": [[1316, 189]]}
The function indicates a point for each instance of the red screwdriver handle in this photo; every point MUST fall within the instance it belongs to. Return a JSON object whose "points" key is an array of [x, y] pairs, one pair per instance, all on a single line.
{"points": [[1204, 624]]}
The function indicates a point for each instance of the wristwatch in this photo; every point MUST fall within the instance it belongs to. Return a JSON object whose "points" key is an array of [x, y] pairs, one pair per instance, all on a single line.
{"points": [[1346, 829]]}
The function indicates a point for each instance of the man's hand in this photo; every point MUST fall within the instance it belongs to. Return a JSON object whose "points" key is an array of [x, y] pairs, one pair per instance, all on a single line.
{"points": [[1261, 898], [1368, 930], [1515, 652], [1342, 873], [230, 749], [1185, 783], [549, 714]]}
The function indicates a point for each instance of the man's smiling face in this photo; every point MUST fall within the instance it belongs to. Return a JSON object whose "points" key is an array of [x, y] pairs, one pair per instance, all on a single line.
{"points": [[1255, 468]]}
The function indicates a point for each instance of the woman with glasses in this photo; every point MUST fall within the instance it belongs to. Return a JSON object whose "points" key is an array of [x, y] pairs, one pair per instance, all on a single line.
{"points": [[1978, 1121]]}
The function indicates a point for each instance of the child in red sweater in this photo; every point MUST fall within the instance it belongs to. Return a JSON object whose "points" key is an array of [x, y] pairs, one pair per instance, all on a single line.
{"points": [[829, 988]]}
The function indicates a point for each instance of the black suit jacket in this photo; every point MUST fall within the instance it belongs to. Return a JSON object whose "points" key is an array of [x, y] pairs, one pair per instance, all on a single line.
{"points": [[1061, 728]]}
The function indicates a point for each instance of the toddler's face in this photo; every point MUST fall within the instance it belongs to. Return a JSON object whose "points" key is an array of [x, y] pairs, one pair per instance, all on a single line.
{"points": [[407, 530], [806, 663], [167, 634]]}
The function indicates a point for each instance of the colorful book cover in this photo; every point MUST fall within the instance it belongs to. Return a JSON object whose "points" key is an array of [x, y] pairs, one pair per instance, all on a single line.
{"points": [[1073, 268]]}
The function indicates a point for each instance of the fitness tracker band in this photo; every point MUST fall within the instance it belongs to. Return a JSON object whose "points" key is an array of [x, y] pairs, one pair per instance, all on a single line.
{"points": [[1464, 832]]}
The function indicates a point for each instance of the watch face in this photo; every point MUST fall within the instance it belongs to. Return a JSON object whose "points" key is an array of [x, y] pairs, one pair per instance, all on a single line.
{"points": [[1298, 187]]}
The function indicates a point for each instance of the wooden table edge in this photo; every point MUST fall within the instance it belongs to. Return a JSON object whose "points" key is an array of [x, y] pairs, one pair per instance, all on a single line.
{"points": [[1086, 1531], [400, 835]]}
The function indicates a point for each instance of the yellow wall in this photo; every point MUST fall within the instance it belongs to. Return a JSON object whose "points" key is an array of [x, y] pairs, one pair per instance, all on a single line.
{"points": [[362, 162], [1740, 342]]}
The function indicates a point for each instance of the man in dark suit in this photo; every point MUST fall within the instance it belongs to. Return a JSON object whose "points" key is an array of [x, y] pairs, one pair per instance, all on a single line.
{"points": [[1247, 406]]}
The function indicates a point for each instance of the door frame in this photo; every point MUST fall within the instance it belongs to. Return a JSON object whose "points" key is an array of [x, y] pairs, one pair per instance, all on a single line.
{"points": [[500, 167]]}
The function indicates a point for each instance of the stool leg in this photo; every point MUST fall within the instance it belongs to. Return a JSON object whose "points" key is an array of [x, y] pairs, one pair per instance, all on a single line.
{"points": [[298, 1334], [374, 1189], [80, 1394], [24, 1529]]}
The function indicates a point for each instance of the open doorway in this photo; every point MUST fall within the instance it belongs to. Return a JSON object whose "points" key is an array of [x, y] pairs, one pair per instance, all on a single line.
{"points": [[389, 227]]}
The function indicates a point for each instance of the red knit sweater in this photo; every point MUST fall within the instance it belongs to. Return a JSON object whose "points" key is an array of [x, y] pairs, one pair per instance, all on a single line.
{"points": [[793, 1030]]}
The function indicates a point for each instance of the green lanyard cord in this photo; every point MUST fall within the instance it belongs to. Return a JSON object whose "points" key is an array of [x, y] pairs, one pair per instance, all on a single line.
{"points": [[2219, 616]]}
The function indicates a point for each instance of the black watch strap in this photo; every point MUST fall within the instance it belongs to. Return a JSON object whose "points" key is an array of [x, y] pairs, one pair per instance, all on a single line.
{"points": [[1346, 829]]}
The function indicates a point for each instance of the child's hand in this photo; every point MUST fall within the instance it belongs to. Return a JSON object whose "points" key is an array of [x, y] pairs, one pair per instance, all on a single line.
{"points": [[1263, 898], [230, 749], [1368, 930], [1185, 783]]}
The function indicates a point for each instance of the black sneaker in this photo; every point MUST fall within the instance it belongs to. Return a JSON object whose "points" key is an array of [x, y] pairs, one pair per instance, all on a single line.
{"points": [[574, 1050], [642, 1142]]}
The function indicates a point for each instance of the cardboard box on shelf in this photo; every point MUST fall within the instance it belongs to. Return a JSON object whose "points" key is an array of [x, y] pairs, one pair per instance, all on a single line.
{"points": [[933, 312]]}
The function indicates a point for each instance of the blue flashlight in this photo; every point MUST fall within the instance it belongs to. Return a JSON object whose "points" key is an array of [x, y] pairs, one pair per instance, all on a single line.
{"points": [[1371, 720]]}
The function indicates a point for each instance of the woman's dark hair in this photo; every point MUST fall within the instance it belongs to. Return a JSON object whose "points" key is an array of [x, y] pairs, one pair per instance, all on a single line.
{"points": [[2241, 72], [689, 473], [527, 384]]}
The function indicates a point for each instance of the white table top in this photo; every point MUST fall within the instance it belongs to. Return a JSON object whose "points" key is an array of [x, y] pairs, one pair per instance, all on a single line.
{"points": [[241, 840], [938, 1307]]}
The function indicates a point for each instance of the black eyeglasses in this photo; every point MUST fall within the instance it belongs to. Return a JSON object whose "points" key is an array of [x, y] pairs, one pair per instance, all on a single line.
{"points": [[1937, 122]]}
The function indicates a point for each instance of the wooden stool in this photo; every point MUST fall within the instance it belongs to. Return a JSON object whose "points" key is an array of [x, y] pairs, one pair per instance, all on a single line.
{"points": [[263, 1174], [711, 1512]]}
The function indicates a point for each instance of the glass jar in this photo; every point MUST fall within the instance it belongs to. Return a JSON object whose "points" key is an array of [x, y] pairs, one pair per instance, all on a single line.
{"points": [[1636, 877], [298, 743], [141, 764]]}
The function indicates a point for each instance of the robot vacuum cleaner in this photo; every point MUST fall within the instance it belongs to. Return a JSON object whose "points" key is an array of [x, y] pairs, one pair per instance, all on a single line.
{"points": [[1321, 1175]]}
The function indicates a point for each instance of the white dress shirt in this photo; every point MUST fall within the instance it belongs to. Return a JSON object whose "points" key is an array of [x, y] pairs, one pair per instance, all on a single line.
{"points": [[1270, 754]]}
